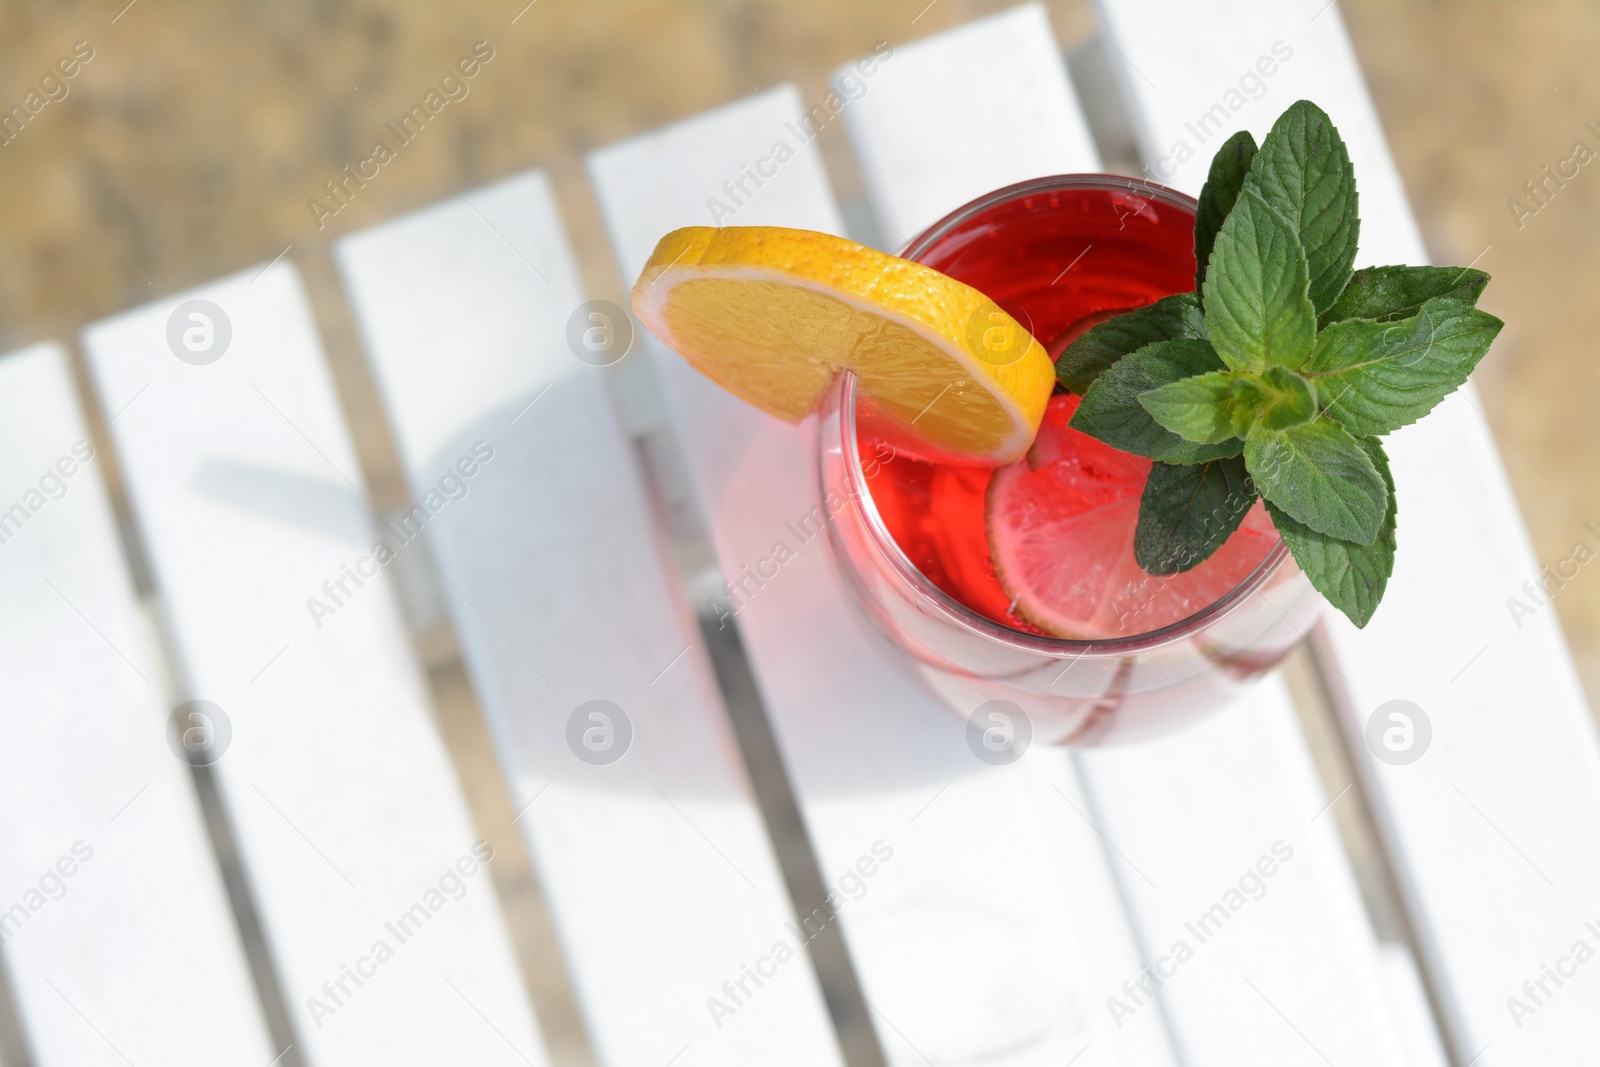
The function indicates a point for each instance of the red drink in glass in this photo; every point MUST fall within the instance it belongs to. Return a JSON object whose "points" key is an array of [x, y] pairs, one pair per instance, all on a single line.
{"points": [[1084, 255], [1059, 255]]}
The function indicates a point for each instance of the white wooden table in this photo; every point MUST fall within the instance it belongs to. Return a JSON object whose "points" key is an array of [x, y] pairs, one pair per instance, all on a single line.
{"points": [[311, 888]]}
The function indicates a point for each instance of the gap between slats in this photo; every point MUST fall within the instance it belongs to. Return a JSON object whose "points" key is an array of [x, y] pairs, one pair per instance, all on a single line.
{"points": [[666, 475], [1387, 897]]}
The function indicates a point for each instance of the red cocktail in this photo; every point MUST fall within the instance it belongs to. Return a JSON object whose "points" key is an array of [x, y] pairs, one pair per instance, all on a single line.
{"points": [[1020, 583]]}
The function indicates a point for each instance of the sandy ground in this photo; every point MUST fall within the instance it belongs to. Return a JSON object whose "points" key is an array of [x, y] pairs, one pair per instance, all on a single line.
{"points": [[189, 144]]}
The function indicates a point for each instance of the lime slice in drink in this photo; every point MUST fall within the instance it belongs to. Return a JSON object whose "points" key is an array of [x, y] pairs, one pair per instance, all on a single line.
{"points": [[1061, 525]]}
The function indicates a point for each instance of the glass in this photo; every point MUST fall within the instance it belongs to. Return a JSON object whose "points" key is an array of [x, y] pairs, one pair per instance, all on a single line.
{"points": [[1058, 254]]}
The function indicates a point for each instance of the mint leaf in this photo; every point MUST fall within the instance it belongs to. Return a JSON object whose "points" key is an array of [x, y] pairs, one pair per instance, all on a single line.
{"points": [[1277, 400], [1353, 577], [1198, 409], [1228, 169], [1187, 512], [1320, 475], [1087, 357], [1303, 170], [1388, 293], [1377, 377], [1111, 410], [1257, 313]]}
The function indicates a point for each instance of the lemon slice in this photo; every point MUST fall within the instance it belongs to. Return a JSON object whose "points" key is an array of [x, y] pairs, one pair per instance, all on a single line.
{"points": [[773, 314]]}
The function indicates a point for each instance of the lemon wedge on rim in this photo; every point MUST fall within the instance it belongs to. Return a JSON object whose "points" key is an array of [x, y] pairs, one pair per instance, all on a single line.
{"points": [[774, 314]]}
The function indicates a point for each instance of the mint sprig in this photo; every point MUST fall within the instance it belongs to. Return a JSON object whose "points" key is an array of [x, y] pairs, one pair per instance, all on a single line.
{"points": [[1277, 377]]}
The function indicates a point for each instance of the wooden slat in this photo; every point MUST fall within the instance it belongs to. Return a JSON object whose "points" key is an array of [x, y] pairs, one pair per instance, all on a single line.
{"points": [[910, 121], [992, 931], [116, 931], [1191, 812], [1495, 831], [1293, 975], [247, 491], [555, 556]]}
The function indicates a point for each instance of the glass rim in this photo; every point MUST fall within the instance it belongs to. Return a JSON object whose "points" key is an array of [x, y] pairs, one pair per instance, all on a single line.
{"points": [[957, 612], [919, 244]]}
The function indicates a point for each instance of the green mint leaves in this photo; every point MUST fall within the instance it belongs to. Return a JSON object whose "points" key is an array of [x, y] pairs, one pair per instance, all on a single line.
{"points": [[1188, 511], [1256, 309], [1089, 356], [1303, 172], [1380, 376], [1279, 374], [1228, 170], [1320, 476], [1350, 575], [1112, 410], [1385, 294]]}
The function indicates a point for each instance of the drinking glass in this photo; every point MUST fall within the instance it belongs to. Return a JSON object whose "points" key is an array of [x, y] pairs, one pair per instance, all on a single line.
{"points": [[1058, 254]]}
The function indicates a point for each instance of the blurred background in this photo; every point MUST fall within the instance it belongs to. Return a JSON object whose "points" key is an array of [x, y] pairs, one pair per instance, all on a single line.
{"points": [[189, 145]]}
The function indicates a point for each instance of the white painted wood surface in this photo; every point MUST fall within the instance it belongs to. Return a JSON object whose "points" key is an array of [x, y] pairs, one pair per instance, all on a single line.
{"points": [[949, 118], [113, 920], [1229, 813], [992, 930], [656, 866], [246, 488], [1495, 830], [1192, 812]]}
